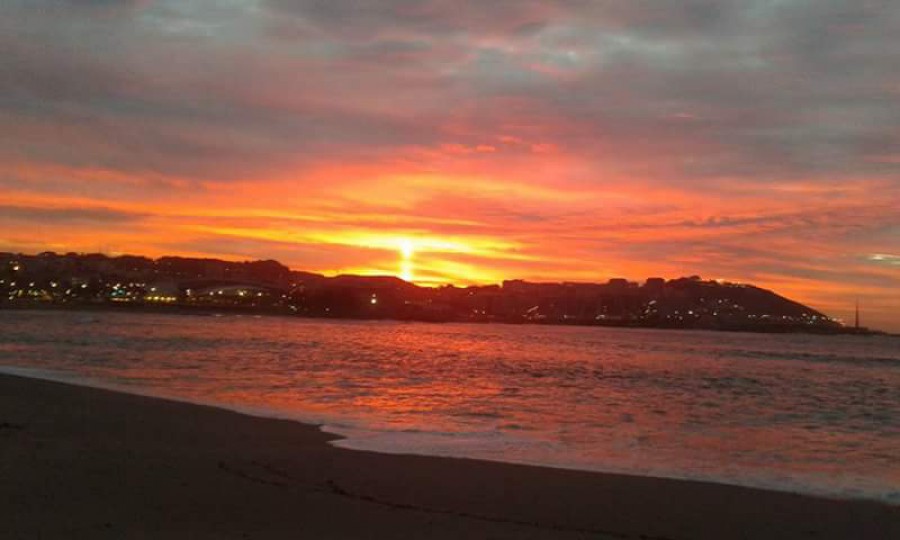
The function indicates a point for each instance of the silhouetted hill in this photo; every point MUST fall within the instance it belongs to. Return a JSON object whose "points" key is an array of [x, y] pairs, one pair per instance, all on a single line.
{"points": [[690, 302]]}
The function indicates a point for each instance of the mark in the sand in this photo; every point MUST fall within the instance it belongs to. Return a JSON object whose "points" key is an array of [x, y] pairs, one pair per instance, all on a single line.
{"points": [[272, 470], [9, 426], [336, 489], [263, 473], [260, 473]]}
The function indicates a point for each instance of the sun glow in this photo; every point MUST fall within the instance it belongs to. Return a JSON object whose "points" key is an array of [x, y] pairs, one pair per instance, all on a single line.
{"points": [[407, 249]]}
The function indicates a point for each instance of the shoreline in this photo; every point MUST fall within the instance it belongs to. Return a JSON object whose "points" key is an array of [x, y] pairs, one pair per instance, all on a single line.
{"points": [[340, 438], [86, 462], [224, 311]]}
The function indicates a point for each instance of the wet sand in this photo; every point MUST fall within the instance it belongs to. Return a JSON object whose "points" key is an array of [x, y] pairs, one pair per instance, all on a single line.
{"points": [[79, 462]]}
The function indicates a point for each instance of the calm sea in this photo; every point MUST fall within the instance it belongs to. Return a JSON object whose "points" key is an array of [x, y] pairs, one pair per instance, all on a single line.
{"points": [[812, 414]]}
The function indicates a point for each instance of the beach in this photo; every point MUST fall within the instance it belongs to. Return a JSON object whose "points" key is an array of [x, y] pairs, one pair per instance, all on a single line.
{"points": [[78, 462]]}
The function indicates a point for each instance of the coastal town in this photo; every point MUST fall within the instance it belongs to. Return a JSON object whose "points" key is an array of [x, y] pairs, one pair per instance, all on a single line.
{"points": [[50, 280]]}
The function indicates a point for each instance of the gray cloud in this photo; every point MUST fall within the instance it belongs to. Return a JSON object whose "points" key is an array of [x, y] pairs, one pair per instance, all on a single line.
{"points": [[884, 259], [757, 90], [63, 216]]}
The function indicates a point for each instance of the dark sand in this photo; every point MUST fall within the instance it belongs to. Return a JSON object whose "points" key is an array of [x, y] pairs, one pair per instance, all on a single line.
{"points": [[84, 463]]}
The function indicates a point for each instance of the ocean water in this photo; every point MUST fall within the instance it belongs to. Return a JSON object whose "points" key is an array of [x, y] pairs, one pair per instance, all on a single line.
{"points": [[810, 414]]}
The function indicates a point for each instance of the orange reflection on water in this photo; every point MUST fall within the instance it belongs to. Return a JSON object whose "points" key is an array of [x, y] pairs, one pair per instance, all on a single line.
{"points": [[810, 413]]}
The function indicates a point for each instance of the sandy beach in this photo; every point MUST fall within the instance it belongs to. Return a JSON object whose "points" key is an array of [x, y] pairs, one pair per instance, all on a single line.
{"points": [[79, 462]]}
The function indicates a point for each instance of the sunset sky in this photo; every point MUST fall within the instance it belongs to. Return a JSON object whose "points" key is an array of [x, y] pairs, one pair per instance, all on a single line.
{"points": [[467, 142]]}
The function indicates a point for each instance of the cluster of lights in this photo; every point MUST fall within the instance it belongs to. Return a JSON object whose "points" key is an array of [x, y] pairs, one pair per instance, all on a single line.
{"points": [[241, 293], [162, 299]]}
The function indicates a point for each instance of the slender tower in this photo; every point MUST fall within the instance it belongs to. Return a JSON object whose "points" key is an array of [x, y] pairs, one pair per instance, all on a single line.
{"points": [[856, 323]]}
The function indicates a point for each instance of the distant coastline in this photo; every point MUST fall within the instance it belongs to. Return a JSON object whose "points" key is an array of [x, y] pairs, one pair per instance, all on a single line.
{"points": [[189, 285], [207, 311]]}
